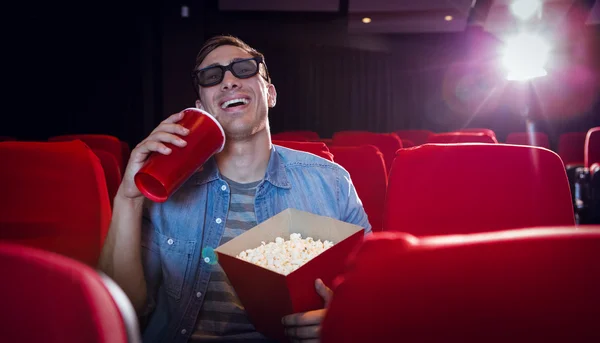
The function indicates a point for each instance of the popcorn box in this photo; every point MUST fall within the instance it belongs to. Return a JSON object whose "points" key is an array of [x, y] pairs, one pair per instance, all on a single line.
{"points": [[267, 295]]}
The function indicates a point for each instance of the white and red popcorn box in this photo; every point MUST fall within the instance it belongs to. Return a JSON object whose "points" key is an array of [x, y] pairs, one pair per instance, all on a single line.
{"points": [[268, 296]]}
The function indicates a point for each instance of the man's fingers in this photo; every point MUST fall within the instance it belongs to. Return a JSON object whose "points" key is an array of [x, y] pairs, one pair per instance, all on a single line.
{"points": [[167, 138], [171, 128], [323, 291], [174, 118], [140, 153], [303, 332], [304, 319]]}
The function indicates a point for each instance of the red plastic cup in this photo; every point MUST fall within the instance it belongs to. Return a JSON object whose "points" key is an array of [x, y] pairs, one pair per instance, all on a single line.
{"points": [[162, 175]]}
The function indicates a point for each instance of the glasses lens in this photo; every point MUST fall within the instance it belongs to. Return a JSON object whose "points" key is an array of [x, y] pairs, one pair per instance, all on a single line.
{"points": [[210, 76], [244, 69]]}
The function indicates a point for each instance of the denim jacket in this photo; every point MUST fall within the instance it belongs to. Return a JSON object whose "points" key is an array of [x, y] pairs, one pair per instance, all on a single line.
{"points": [[179, 235]]}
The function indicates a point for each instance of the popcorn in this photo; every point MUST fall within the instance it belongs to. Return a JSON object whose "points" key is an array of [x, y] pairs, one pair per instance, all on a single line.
{"points": [[284, 256]]}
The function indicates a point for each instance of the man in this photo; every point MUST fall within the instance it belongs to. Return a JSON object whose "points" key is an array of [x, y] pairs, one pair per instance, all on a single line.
{"points": [[162, 254]]}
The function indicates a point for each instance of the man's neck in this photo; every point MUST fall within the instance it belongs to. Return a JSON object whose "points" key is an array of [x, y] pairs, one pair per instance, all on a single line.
{"points": [[245, 161]]}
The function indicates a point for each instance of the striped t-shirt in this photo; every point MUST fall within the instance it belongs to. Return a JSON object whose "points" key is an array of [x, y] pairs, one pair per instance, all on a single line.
{"points": [[222, 317]]}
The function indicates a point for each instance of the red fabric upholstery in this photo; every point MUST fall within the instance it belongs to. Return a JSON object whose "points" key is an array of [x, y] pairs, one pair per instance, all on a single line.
{"points": [[488, 132], [316, 148], [468, 188], [64, 300], [407, 144], [112, 172], [529, 138], [538, 285], [367, 170], [571, 147], [300, 136], [416, 136], [54, 197], [592, 147], [387, 143], [125, 154], [105, 142], [461, 137]]}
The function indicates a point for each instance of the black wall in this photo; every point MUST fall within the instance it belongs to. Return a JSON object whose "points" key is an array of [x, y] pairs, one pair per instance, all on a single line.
{"points": [[121, 68]]}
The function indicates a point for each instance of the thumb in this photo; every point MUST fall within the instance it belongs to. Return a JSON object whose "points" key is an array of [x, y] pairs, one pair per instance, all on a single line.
{"points": [[323, 291]]}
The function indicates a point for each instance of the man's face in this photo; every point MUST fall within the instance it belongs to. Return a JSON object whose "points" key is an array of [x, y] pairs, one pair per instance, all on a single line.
{"points": [[240, 119]]}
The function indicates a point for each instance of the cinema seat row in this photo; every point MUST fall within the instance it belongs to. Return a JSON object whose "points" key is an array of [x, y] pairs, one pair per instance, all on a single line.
{"points": [[489, 225]]}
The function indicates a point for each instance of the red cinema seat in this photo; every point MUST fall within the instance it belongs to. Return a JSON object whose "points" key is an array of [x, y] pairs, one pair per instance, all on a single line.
{"points": [[418, 137], [461, 137], [387, 143], [592, 147], [469, 188], [571, 147], [522, 286], [529, 138], [54, 198], [367, 169], [112, 172], [488, 132], [105, 142], [407, 144], [78, 304], [315, 148]]}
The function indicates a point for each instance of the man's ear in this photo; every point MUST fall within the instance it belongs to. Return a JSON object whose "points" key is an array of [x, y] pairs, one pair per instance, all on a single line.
{"points": [[271, 95], [199, 105]]}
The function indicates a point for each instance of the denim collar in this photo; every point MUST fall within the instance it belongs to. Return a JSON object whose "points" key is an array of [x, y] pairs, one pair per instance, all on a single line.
{"points": [[275, 173]]}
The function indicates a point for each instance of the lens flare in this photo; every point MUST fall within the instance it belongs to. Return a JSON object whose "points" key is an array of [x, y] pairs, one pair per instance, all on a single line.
{"points": [[525, 56], [525, 9]]}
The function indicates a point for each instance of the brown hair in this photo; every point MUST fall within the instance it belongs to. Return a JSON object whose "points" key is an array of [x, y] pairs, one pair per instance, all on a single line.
{"points": [[218, 41]]}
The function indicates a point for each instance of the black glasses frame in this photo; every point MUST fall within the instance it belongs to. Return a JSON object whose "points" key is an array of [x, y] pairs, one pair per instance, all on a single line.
{"points": [[224, 69]]}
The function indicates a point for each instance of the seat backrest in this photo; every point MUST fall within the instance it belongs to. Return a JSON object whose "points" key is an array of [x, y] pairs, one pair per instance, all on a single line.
{"points": [[592, 147], [315, 148], [367, 169], [407, 143], [467, 188], [105, 142], [529, 138], [112, 172], [530, 285], [69, 298], [571, 146], [488, 132], [387, 143], [56, 198], [416, 136], [461, 137]]}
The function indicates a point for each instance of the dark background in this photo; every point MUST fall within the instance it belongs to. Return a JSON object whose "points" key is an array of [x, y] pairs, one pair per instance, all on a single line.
{"points": [[120, 68]]}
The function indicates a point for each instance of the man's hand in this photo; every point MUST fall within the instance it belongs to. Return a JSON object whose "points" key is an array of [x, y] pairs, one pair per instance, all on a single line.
{"points": [[306, 327]]}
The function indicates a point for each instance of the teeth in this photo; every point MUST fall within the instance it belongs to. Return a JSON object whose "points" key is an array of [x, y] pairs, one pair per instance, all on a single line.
{"points": [[233, 101]]}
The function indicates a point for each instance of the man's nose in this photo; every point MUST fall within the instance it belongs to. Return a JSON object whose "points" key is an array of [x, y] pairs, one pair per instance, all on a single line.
{"points": [[229, 81]]}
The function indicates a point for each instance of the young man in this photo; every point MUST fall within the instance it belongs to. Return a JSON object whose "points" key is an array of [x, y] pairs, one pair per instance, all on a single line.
{"points": [[162, 255]]}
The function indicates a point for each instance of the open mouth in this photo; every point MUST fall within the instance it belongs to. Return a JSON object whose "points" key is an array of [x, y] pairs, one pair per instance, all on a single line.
{"points": [[234, 103]]}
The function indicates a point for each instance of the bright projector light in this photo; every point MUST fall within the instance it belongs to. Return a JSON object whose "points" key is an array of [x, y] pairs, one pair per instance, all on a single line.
{"points": [[525, 9], [525, 56]]}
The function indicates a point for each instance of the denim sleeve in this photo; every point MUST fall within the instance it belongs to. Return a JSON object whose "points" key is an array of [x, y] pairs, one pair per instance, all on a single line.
{"points": [[351, 205], [150, 261]]}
